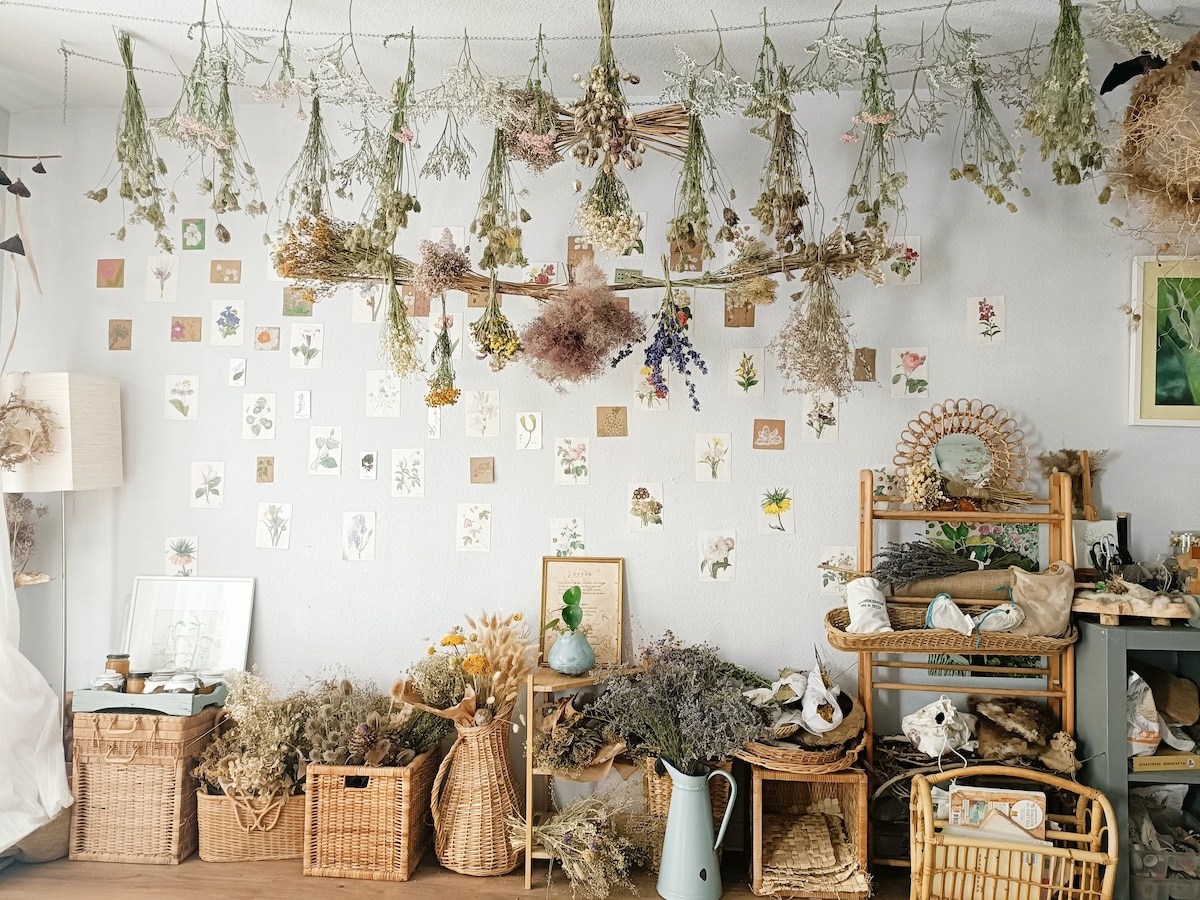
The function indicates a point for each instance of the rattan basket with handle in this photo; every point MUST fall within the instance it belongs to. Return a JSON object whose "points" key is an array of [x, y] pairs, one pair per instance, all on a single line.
{"points": [[911, 636], [802, 761], [244, 829], [656, 790]]}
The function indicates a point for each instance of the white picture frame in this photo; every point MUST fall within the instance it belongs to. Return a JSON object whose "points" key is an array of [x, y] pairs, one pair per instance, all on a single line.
{"points": [[192, 624]]}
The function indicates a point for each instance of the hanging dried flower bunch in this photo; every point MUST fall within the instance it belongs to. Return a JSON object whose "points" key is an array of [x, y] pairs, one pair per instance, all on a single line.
{"points": [[605, 217], [1132, 29], [138, 162], [701, 188], [305, 189], [500, 216], [670, 344], [1062, 110], [465, 94], [751, 289], [531, 115], [493, 335], [282, 83], [580, 333], [442, 391], [314, 254], [706, 89], [441, 265], [835, 60], [398, 339]]}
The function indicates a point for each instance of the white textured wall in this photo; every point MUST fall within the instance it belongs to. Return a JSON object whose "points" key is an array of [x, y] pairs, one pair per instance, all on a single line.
{"points": [[1062, 373]]}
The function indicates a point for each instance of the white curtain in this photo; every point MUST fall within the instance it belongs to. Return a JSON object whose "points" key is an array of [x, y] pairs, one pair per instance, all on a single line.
{"points": [[33, 777]]}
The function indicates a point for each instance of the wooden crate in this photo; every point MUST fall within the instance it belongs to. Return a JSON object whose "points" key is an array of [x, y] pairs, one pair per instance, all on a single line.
{"points": [[135, 798], [368, 822], [781, 797], [236, 830]]}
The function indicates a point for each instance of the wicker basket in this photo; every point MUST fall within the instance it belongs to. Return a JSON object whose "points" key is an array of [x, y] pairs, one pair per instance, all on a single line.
{"points": [[911, 636], [656, 791], [240, 829], [473, 799], [367, 822], [1080, 862], [801, 761]]}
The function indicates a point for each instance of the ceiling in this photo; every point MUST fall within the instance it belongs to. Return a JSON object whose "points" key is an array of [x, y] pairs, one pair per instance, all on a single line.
{"points": [[31, 65]]}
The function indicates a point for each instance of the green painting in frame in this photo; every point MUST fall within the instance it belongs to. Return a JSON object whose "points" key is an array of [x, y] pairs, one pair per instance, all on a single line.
{"points": [[1164, 378]]}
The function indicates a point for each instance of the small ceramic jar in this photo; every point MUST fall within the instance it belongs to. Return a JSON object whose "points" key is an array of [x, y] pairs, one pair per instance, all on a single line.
{"points": [[182, 683], [157, 683], [109, 681], [117, 662]]}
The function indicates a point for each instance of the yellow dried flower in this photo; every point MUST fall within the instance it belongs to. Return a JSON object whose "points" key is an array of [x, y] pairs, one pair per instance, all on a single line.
{"points": [[453, 640], [476, 664]]}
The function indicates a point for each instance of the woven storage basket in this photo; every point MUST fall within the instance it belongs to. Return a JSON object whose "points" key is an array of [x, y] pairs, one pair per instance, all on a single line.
{"points": [[1079, 864], [801, 761], [135, 798], [656, 791], [473, 798], [367, 822], [239, 829], [911, 636]]}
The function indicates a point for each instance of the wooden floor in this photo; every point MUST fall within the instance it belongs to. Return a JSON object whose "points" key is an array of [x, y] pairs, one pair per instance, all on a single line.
{"points": [[65, 880]]}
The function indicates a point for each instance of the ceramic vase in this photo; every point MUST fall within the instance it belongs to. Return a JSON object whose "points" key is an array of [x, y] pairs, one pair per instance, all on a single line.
{"points": [[689, 869], [571, 654]]}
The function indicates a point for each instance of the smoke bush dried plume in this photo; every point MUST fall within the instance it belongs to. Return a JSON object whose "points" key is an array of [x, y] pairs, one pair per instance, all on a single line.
{"points": [[577, 333]]}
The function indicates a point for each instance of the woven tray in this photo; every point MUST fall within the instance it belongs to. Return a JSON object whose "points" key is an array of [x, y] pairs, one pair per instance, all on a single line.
{"points": [[799, 761], [237, 830], [911, 636]]}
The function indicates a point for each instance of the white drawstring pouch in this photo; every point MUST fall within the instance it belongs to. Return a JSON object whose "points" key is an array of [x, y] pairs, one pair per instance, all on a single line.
{"points": [[868, 608], [1002, 618], [939, 728], [943, 612]]}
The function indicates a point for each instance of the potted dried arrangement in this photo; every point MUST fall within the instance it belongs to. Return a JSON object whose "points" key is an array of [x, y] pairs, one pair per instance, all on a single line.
{"points": [[472, 680]]}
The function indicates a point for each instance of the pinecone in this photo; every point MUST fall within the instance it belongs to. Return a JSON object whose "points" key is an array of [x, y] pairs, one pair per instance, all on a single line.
{"points": [[361, 741]]}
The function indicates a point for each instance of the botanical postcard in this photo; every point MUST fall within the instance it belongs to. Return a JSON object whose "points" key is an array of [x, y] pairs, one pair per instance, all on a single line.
{"points": [[181, 556], [474, 527], [645, 499], [383, 394], [745, 368], [266, 337], [264, 470], [358, 536], [416, 302], [910, 372], [738, 315], [482, 413], [162, 278], [1087, 535], [566, 537], [368, 303], [713, 462], [120, 334], [647, 395], [686, 256], [864, 364], [571, 461], [483, 469], [227, 329], [194, 234], [769, 434], [368, 465], [307, 343], [298, 301], [979, 541], [110, 273], [985, 320], [529, 431], [454, 328], [186, 329], [301, 404], [579, 253], [833, 584], [612, 421], [717, 551], [324, 450], [544, 273], [821, 413], [639, 245], [433, 424], [775, 513], [225, 271], [905, 265], [237, 372], [183, 397], [208, 485], [274, 528], [258, 417], [408, 473]]}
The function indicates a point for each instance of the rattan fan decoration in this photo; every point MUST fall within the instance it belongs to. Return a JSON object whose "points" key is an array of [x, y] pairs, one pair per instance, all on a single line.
{"points": [[993, 426]]}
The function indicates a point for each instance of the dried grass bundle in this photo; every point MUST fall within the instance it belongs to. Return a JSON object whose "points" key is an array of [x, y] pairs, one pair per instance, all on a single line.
{"points": [[504, 642]]}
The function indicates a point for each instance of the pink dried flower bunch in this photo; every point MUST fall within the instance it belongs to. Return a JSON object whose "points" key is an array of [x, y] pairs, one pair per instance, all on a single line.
{"points": [[867, 118], [442, 264], [577, 333]]}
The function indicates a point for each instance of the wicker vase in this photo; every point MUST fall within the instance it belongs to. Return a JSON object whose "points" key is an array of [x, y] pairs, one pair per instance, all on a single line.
{"points": [[473, 797]]}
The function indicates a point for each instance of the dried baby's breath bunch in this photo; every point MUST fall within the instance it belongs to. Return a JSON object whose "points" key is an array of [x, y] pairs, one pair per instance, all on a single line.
{"points": [[835, 60], [1132, 29], [924, 487], [398, 339]]}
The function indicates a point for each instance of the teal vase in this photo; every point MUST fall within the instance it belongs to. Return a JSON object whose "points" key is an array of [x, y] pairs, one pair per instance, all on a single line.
{"points": [[689, 869], [571, 654]]}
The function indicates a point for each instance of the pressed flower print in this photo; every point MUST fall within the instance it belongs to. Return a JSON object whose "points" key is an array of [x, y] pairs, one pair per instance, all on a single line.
{"points": [[183, 397], [208, 485], [775, 513], [225, 271], [566, 537], [358, 536], [821, 413], [302, 404], [274, 528], [647, 394], [120, 334], [368, 465], [408, 473], [110, 273], [324, 451], [237, 372], [745, 367], [264, 470], [181, 555], [572, 460], [383, 394], [258, 417], [266, 337], [483, 413], [713, 462], [645, 505], [433, 424], [904, 266], [186, 329], [529, 431], [298, 301], [227, 328], [910, 372], [769, 434], [474, 532], [833, 584], [985, 320], [308, 342], [482, 469], [544, 273], [717, 555], [162, 279], [193, 234], [612, 421], [368, 303]]}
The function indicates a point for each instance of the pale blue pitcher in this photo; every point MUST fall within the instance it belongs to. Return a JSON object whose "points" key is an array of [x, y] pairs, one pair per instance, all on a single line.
{"points": [[689, 869]]}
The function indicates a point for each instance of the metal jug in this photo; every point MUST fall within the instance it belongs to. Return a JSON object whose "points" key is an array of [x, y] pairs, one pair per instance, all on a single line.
{"points": [[689, 869]]}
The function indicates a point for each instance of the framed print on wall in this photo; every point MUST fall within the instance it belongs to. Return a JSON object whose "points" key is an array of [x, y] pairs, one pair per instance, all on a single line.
{"points": [[601, 582], [1164, 350]]}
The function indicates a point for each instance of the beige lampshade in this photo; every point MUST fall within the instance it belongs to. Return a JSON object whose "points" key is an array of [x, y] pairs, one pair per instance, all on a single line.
{"points": [[87, 443]]}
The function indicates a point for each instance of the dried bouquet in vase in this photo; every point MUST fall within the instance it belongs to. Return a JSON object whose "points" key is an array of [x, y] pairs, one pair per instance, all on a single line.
{"points": [[23, 517]]}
